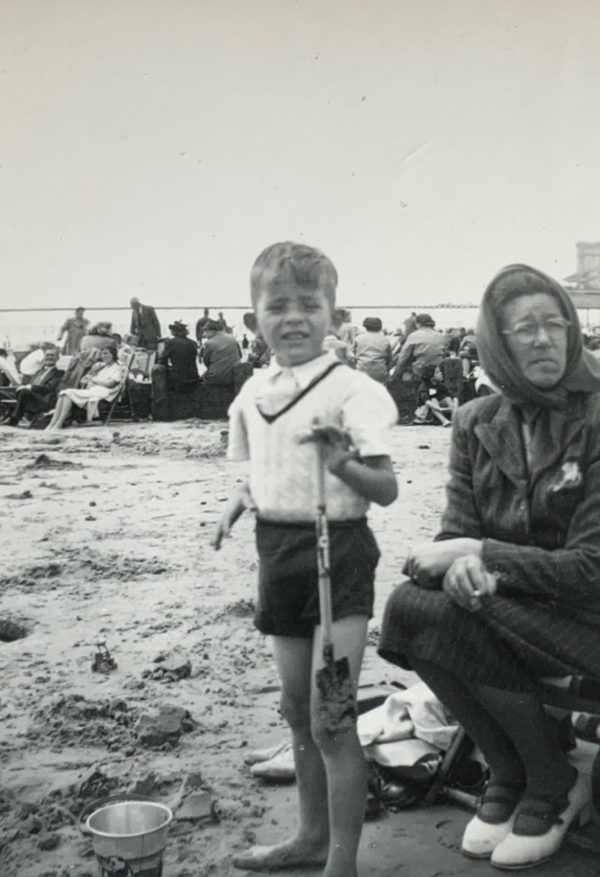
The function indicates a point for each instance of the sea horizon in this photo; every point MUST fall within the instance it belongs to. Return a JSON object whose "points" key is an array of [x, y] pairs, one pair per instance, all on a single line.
{"points": [[22, 327]]}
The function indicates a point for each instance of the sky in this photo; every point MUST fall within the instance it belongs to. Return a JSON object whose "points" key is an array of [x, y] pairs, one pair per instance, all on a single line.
{"points": [[155, 147]]}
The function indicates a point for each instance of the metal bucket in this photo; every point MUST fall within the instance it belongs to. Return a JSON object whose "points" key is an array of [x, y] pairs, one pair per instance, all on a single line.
{"points": [[129, 838]]}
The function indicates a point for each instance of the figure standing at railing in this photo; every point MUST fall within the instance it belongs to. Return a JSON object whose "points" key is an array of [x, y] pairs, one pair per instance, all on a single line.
{"points": [[145, 324], [74, 328]]}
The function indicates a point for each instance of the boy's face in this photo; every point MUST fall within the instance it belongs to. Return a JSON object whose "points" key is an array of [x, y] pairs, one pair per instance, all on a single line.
{"points": [[293, 320]]}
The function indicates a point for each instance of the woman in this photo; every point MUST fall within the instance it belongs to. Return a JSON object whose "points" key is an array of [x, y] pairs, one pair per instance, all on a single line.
{"points": [[510, 590], [102, 382], [433, 397], [373, 351], [179, 356], [100, 336]]}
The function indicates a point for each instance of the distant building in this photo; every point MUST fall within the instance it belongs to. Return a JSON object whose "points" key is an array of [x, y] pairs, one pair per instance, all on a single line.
{"points": [[584, 286]]}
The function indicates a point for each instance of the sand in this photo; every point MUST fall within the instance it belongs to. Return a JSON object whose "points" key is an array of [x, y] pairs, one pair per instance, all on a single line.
{"points": [[105, 538]]}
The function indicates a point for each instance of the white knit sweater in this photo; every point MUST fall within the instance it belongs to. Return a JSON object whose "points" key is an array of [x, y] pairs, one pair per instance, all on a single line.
{"points": [[283, 471]]}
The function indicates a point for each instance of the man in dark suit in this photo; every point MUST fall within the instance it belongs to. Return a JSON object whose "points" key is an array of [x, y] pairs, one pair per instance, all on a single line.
{"points": [[144, 324], [40, 395], [201, 324]]}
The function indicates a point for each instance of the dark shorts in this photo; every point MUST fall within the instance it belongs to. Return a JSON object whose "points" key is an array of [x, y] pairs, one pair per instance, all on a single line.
{"points": [[288, 596]]}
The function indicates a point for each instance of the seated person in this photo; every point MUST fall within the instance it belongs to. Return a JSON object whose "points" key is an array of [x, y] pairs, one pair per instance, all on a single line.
{"points": [[452, 376], [179, 356], [372, 351], [435, 404], [468, 353], [99, 336], [397, 340], [219, 354], [79, 367], [424, 346], [39, 395], [103, 381], [9, 373], [259, 354], [509, 592], [339, 347]]}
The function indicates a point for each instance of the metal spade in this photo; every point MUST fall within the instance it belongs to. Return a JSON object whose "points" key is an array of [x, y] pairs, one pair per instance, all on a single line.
{"points": [[337, 704]]}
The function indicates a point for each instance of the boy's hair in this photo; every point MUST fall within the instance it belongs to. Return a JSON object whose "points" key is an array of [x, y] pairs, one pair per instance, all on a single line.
{"points": [[307, 267]]}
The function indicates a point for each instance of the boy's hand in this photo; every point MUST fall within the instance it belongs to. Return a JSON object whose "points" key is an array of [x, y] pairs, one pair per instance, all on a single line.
{"points": [[233, 509], [336, 442]]}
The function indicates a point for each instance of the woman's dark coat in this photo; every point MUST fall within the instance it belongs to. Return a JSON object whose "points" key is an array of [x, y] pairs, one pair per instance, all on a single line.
{"points": [[541, 536]]}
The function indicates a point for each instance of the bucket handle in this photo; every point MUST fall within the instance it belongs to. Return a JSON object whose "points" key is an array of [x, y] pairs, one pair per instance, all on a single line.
{"points": [[102, 802]]}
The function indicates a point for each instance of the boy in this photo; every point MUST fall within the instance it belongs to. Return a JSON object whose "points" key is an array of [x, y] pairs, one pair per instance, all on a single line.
{"points": [[272, 423]]}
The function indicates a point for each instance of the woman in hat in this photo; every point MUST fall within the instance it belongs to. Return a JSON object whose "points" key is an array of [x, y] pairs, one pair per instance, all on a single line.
{"points": [[509, 592], [179, 356], [373, 351]]}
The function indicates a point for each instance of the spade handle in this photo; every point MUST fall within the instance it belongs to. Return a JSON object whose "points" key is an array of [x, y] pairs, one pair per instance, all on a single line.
{"points": [[323, 551]]}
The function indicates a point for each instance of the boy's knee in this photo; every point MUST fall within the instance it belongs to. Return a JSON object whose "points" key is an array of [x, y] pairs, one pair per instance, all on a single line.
{"points": [[295, 710], [327, 742]]}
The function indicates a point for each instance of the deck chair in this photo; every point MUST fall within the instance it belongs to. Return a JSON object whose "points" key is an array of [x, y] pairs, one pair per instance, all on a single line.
{"points": [[8, 400], [122, 397], [564, 697]]}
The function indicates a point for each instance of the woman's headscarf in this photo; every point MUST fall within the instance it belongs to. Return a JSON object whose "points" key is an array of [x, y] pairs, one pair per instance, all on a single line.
{"points": [[582, 373]]}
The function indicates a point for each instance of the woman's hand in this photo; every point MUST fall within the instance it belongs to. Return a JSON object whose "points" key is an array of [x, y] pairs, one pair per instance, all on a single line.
{"points": [[234, 507], [427, 563], [468, 581]]}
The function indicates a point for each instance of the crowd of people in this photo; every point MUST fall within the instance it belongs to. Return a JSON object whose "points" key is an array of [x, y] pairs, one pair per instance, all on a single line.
{"points": [[81, 375], [442, 368], [88, 365]]}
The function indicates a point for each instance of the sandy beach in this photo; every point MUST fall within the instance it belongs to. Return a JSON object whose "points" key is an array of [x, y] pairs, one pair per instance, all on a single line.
{"points": [[105, 536]]}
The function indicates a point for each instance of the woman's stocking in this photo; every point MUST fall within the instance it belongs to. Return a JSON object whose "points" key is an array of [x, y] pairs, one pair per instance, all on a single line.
{"points": [[523, 719], [496, 746]]}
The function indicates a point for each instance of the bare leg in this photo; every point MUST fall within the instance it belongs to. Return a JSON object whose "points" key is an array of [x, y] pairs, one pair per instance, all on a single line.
{"points": [[61, 412], [344, 761], [437, 413], [310, 843]]}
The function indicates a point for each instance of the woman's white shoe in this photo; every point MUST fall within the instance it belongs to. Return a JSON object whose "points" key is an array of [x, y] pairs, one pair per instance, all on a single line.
{"points": [[481, 838], [519, 851]]}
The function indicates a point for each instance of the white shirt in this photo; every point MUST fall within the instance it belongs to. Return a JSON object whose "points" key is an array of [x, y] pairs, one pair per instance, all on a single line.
{"points": [[283, 471]]}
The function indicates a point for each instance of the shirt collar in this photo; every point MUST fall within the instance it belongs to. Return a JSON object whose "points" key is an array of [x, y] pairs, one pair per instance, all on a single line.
{"points": [[306, 371]]}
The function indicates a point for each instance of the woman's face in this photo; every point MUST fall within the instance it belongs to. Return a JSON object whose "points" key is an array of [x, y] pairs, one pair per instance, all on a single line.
{"points": [[106, 356], [536, 334]]}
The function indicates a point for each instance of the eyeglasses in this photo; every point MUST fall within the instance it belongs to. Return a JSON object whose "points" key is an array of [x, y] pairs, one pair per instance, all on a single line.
{"points": [[528, 332]]}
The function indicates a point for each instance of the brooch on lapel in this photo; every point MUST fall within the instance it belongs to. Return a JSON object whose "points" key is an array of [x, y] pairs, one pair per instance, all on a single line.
{"points": [[568, 478]]}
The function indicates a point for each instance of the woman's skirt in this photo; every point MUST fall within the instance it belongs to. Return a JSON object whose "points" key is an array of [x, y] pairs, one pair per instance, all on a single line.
{"points": [[90, 398], [506, 644]]}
